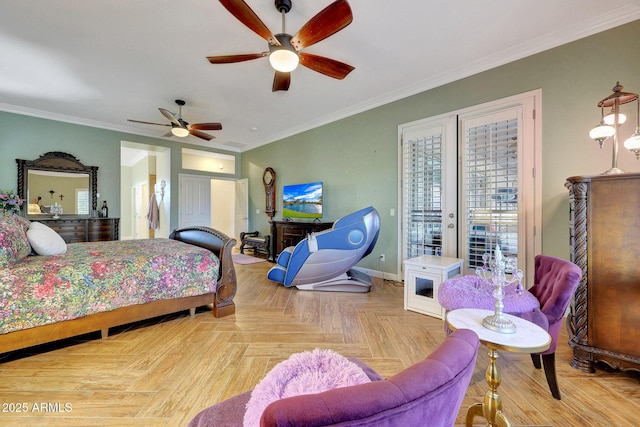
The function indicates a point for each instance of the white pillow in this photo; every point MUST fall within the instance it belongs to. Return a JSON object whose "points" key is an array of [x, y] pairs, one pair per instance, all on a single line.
{"points": [[44, 240]]}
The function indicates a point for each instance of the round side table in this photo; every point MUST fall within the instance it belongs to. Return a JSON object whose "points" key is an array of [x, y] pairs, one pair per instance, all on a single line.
{"points": [[528, 338]]}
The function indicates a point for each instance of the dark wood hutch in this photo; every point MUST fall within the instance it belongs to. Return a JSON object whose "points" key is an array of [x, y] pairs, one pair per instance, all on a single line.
{"points": [[290, 233], [605, 311]]}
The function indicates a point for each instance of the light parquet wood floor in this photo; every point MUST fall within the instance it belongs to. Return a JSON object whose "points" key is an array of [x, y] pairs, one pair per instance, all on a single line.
{"points": [[163, 372]]}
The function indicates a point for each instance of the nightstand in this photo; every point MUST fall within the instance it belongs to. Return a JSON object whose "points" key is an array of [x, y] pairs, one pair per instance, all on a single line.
{"points": [[422, 277]]}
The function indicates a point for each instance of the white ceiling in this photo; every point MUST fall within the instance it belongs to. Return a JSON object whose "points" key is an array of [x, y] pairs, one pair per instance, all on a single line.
{"points": [[102, 62]]}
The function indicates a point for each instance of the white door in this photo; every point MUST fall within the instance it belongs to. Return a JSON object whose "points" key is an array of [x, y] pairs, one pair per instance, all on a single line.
{"points": [[242, 207], [429, 188], [140, 204], [195, 201]]}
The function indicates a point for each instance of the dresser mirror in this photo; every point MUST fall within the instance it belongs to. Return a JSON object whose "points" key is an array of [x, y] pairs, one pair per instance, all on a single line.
{"points": [[55, 184]]}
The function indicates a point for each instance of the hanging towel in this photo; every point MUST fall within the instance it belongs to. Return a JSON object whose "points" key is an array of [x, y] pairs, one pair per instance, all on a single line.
{"points": [[153, 216]]}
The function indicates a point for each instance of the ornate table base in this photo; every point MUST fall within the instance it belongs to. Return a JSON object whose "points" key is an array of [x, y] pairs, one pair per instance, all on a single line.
{"points": [[527, 338], [491, 408]]}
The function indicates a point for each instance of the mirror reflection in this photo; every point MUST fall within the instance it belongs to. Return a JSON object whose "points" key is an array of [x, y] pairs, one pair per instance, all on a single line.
{"points": [[66, 193]]}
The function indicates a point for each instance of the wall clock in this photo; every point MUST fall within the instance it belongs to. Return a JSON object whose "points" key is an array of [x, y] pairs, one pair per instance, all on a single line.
{"points": [[269, 181]]}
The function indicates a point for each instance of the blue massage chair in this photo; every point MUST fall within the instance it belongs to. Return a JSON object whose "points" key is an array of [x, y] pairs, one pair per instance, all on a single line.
{"points": [[323, 260]]}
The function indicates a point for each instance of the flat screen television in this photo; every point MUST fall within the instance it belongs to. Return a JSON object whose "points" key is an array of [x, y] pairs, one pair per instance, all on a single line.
{"points": [[302, 200]]}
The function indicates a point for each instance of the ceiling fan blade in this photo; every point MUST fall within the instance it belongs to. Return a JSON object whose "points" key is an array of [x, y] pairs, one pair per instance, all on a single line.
{"points": [[202, 135], [228, 59], [248, 17], [147, 123], [281, 81], [328, 21], [172, 117], [206, 126], [327, 66]]}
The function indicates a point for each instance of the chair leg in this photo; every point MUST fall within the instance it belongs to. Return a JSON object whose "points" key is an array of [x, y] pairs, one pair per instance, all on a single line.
{"points": [[535, 358], [549, 362]]}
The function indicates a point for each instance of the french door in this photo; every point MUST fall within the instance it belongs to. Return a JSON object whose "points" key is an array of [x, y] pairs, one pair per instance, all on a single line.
{"points": [[429, 188], [469, 183]]}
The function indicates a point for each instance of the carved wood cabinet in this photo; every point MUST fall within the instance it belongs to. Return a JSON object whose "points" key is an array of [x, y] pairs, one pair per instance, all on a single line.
{"points": [[605, 242], [290, 233], [84, 229]]}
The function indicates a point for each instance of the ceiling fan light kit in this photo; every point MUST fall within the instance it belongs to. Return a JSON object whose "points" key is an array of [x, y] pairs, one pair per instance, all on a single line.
{"points": [[284, 49], [179, 131], [283, 58]]}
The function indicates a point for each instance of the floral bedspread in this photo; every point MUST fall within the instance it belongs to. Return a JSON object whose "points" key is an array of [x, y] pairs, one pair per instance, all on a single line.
{"points": [[101, 276]]}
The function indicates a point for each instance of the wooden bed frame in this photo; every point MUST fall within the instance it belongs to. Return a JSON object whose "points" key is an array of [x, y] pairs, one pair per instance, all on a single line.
{"points": [[222, 299]]}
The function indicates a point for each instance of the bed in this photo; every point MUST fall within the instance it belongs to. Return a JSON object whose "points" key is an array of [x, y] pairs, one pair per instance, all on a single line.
{"points": [[99, 285]]}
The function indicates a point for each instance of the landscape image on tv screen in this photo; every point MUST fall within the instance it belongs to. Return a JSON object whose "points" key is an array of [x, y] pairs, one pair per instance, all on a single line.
{"points": [[302, 200]]}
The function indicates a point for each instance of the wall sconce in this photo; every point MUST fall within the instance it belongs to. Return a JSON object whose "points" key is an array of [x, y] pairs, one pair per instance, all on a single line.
{"points": [[52, 193], [162, 186], [610, 124]]}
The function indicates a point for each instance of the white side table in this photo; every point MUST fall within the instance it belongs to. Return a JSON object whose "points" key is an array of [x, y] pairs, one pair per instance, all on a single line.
{"points": [[422, 276]]}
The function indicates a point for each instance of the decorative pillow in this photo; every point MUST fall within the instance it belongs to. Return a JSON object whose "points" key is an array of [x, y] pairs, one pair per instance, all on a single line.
{"points": [[44, 240], [22, 221], [308, 372], [14, 244]]}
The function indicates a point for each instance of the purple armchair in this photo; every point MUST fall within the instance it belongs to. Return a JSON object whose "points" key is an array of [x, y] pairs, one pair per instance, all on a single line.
{"points": [[554, 284], [428, 393]]}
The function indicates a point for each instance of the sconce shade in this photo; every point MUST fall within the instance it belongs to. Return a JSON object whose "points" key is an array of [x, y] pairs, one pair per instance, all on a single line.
{"points": [[602, 132], [633, 142], [610, 119]]}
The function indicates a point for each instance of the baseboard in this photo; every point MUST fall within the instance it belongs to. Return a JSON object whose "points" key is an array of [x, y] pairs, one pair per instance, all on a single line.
{"points": [[379, 274]]}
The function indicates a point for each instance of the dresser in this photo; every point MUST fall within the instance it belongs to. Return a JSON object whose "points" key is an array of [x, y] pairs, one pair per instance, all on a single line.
{"points": [[77, 229], [289, 233], [605, 242]]}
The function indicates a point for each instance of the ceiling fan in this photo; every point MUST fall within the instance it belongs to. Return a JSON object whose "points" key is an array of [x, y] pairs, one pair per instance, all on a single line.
{"points": [[181, 128], [284, 49]]}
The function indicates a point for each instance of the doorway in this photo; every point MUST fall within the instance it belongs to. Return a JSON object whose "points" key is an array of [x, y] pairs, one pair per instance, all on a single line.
{"points": [[217, 203], [141, 167]]}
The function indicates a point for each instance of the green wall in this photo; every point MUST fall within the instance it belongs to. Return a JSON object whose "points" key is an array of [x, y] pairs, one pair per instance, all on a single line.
{"points": [[26, 137], [357, 157]]}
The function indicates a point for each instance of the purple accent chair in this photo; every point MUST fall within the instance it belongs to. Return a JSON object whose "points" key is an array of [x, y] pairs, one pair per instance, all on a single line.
{"points": [[555, 281], [428, 393]]}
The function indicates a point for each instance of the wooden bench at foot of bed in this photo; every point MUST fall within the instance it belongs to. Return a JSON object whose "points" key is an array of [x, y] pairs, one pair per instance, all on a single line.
{"points": [[221, 300]]}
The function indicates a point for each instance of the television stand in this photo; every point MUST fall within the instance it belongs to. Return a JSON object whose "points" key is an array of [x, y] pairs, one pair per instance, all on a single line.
{"points": [[287, 233]]}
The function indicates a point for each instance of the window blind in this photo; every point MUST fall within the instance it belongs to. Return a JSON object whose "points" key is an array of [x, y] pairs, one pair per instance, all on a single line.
{"points": [[82, 202], [491, 188], [422, 193]]}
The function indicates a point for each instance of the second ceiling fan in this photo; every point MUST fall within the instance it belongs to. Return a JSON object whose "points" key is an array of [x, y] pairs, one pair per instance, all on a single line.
{"points": [[284, 49], [181, 128]]}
